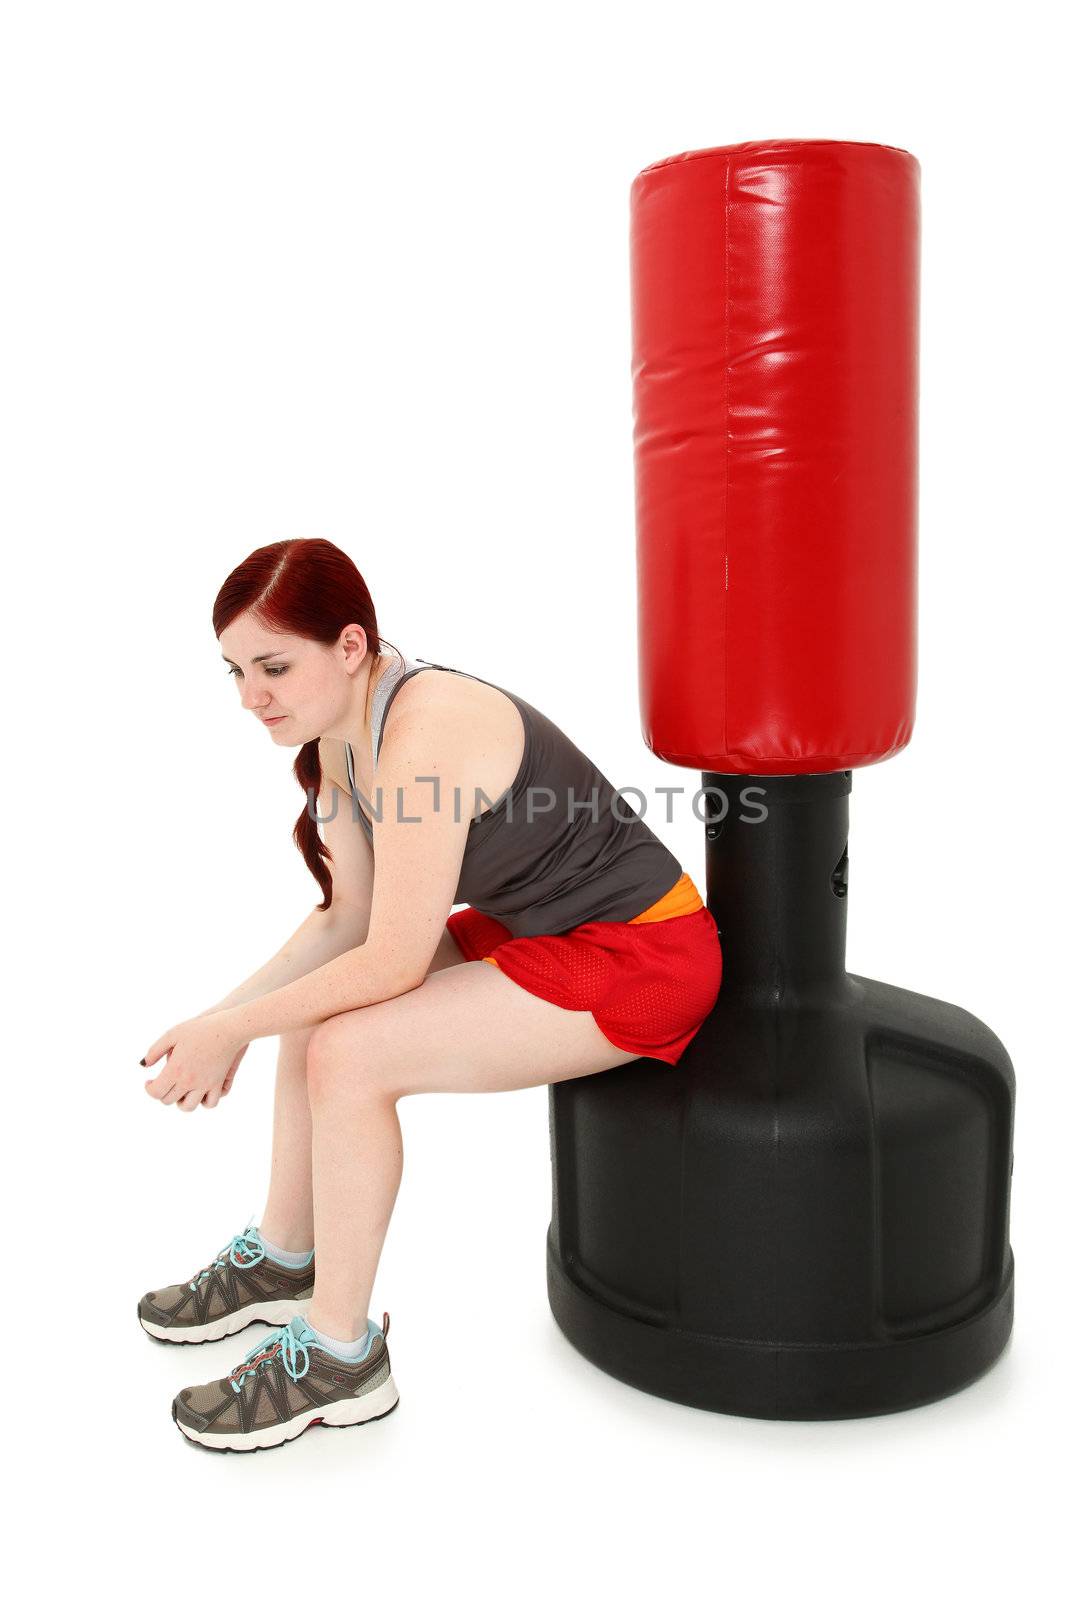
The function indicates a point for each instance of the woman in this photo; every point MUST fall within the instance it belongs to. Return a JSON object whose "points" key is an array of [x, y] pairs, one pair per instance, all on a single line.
{"points": [[583, 946]]}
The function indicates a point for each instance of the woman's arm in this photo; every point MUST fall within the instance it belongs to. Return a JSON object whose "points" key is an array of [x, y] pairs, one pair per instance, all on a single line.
{"points": [[427, 788], [324, 935], [321, 937], [418, 854]]}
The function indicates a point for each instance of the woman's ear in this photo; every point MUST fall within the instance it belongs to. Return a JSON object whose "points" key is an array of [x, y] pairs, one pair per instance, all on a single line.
{"points": [[353, 644]]}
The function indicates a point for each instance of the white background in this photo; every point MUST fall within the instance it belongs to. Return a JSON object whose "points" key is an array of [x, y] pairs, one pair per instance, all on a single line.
{"points": [[362, 272]]}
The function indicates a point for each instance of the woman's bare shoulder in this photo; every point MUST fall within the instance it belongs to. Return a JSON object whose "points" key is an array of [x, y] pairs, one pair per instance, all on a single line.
{"points": [[332, 763], [435, 690], [485, 725]]}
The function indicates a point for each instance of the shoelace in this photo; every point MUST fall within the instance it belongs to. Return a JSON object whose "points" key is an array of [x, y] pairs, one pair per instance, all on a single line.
{"points": [[244, 1250], [286, 1344]]}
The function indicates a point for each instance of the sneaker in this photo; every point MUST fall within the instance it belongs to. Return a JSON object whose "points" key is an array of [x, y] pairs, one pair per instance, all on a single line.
{"points": [[241, 1285], [284, 1386]]}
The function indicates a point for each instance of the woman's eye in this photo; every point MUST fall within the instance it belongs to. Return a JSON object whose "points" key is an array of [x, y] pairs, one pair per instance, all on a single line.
{"points": [[275, 672], [230, 671]]}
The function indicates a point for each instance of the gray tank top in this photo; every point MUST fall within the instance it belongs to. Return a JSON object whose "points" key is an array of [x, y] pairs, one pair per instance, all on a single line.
{"points": [[559, 847]]}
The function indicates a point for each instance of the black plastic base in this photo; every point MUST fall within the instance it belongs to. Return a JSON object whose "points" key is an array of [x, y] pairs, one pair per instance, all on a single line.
{"points": [[799, 1383], [807, 1218]]}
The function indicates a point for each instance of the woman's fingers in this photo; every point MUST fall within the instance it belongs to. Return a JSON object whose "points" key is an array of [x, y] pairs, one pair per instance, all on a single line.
{"points": [[186, 1100], [160, 1086], [158, 1050], [166, 1088]]}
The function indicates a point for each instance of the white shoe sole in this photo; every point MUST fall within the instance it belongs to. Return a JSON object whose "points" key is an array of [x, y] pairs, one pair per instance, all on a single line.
{"points": [[276, 1312], [341, 1414]]}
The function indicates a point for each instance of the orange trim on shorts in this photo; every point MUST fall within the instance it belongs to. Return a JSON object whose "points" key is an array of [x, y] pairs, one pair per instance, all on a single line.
{"points": [[682, 898]]}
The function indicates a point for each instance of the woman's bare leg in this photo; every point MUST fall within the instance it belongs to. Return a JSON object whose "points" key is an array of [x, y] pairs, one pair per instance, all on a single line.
{"points": [[472, 1030], [288, 1219]]}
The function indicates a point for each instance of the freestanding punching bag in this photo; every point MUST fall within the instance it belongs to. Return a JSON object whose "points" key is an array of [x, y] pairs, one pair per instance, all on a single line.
{"points": [[808, 1216]]}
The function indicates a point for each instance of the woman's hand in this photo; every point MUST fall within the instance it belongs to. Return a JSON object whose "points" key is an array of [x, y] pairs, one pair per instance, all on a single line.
{"points": [[202, 1056], [232, 1073]]}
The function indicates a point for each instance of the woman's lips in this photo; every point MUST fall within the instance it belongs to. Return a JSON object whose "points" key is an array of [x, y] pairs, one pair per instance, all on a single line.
{"points": [[268, 721]]}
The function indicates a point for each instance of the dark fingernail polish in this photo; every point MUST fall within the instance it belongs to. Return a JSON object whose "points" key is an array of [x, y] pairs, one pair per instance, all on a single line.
{"points": [[142, 1061]]}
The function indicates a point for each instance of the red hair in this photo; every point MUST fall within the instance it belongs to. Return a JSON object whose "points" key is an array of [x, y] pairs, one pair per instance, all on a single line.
{"points": [[310, 588]]}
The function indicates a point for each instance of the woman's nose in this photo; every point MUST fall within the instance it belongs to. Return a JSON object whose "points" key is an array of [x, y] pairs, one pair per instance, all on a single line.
{"points": [[255, 699]]}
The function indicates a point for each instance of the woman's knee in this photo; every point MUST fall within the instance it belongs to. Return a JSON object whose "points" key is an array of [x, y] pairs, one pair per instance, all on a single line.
{"points": [[341, 1061]]}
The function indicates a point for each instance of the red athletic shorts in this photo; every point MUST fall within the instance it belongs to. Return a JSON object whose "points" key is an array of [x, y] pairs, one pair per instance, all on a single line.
{"points": [[649, 982]]}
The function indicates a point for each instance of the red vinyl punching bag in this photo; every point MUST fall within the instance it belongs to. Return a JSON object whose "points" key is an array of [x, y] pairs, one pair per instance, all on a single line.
{"points": [[775, 371], [808, 1216]]}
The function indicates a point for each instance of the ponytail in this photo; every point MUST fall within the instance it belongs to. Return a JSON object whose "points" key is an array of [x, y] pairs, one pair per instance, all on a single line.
{"points": [[308, 770]]}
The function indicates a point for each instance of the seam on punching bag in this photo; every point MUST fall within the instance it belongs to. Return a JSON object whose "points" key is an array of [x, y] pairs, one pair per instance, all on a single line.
{"points": [[755, 148], [726, 470]]}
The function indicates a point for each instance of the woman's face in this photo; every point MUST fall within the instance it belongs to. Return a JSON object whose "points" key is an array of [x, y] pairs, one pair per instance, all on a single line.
{"points": [[299, 689]]}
